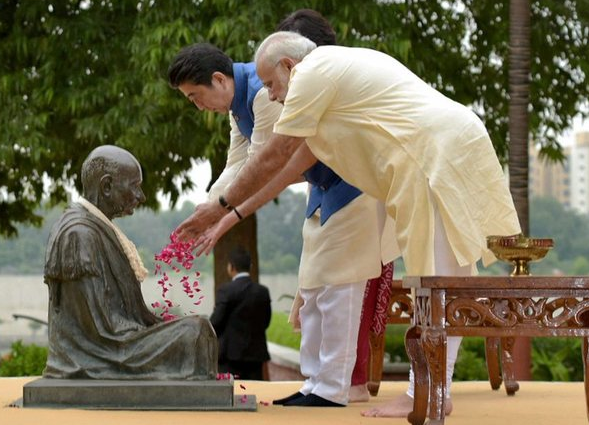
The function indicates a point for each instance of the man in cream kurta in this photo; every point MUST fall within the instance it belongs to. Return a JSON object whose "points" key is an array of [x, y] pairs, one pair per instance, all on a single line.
{"points": [[393, 136], [387, 132]]}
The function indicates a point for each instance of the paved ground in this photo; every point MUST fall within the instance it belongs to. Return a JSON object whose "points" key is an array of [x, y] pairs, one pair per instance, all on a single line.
{"points": [[537, 403]]}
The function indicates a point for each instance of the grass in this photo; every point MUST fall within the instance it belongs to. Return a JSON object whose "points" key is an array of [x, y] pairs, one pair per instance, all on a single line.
{"points": [[281, 332]]}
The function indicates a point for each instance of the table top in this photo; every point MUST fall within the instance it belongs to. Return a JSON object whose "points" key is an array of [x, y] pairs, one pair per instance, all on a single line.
{"points": [[497, 282]]}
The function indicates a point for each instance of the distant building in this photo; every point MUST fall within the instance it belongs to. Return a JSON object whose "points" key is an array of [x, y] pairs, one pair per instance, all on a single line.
{"points": [[580, 173], [548, 179], [567, 182]]}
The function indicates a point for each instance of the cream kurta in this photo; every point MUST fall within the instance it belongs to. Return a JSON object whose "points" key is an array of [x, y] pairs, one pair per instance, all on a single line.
{"points": [[356, 228], [387, 132], [349, 247]]}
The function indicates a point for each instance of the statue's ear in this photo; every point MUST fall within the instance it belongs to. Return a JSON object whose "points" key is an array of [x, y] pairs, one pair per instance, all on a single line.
{"points": [[106, 185]]}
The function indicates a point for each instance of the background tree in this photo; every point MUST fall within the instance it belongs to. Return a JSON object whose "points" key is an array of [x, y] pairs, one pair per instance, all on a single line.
{"points": [[77, 74]]}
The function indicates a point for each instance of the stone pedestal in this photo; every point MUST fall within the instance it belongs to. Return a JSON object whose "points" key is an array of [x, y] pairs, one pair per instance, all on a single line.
{"points": [[135, 395]]}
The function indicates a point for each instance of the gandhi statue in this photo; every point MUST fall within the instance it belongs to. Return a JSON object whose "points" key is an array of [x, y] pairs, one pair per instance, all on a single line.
{"points": [[99, 325]]}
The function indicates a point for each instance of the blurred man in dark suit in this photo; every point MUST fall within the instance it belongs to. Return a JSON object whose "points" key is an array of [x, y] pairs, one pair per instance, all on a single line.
{"points": [[241, 315]]}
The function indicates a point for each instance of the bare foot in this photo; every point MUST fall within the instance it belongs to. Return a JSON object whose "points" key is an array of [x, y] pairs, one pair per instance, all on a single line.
{"points": [[358, 394], [399, 407]]}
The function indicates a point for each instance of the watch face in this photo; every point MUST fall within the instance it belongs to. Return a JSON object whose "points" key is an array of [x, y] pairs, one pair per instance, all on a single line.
{"points": [[224, 203]]}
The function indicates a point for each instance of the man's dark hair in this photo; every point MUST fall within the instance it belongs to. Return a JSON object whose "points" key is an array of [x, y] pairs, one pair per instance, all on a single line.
{"points": [[240, 259], [310, 24], [197, 63]]}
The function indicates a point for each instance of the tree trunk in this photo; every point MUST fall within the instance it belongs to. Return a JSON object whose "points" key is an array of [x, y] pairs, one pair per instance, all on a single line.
{"points": [[244, 234], [519, 98]]}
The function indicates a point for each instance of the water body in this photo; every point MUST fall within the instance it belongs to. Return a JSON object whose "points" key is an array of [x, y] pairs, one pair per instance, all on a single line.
{"points": [[27, 295]]}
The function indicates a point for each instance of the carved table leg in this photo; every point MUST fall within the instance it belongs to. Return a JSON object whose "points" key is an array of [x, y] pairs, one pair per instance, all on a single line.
{"points": [[434, 347], [415, 352], [492, 345], [375, 362], [511, 385], [586, 370]]}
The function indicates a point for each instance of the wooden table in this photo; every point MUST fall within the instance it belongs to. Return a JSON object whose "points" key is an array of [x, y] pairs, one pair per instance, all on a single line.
{"points": [[499, 308]]}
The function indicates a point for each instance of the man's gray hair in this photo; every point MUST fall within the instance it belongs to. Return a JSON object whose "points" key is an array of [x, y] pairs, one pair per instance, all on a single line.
{"points": [[284, 44]]}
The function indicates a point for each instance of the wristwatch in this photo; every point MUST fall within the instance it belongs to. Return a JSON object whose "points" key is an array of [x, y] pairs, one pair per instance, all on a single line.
{"points": [[225, 204]]}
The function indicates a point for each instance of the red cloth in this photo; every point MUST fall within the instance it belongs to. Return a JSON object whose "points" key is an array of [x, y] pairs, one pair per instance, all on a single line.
{"points": [[374, 316]]}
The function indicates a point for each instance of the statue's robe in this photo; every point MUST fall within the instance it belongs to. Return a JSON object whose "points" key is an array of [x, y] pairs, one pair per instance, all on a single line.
{"points": [[99, 325]]}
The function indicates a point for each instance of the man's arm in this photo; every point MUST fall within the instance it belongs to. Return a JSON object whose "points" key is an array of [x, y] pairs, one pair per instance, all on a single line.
{"points": [[254, 175], [299, 162], [236, 157], [303, 159], [268, 308], [267, 164]]}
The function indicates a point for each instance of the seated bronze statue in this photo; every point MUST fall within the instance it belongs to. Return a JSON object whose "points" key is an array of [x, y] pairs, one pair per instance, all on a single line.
{"points": [[99, 324]]}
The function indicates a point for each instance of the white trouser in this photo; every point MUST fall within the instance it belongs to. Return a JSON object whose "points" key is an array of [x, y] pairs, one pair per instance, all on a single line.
{"points": [[446, 265], [330, 319]]}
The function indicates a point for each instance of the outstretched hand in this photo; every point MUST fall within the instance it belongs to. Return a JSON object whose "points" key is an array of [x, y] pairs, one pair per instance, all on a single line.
{"points": [[204, 216], [209, 238]]}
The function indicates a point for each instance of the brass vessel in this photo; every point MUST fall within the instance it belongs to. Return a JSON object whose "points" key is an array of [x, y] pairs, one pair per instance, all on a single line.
{"points": [[519, 250]]}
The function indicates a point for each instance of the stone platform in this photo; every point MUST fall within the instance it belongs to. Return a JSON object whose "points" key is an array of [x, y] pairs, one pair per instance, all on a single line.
{"points": [[210, 395]]}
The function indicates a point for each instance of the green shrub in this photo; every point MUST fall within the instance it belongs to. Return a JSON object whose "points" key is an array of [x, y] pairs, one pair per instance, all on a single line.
{"points": [[553, 359], [557, 359], [394, 343], [24, 360], [280, 332], [471, 364]]}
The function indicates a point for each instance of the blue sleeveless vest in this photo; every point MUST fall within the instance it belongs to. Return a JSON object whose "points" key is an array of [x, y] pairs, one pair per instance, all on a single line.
{"points": [[247, 85], [328, 190]]}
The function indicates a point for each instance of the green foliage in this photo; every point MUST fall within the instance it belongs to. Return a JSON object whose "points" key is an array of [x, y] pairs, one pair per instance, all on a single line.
{"points": [[74, 75], [24, 360], [580, 266], [557, 359], [280, 332], [279, 233], [570, 231], [470, 364], [394, 343], [553, 359]]}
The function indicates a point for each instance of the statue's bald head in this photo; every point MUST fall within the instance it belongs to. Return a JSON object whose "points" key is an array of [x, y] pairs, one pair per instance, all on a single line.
{"points": [[111, 180], [106, 159]]}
